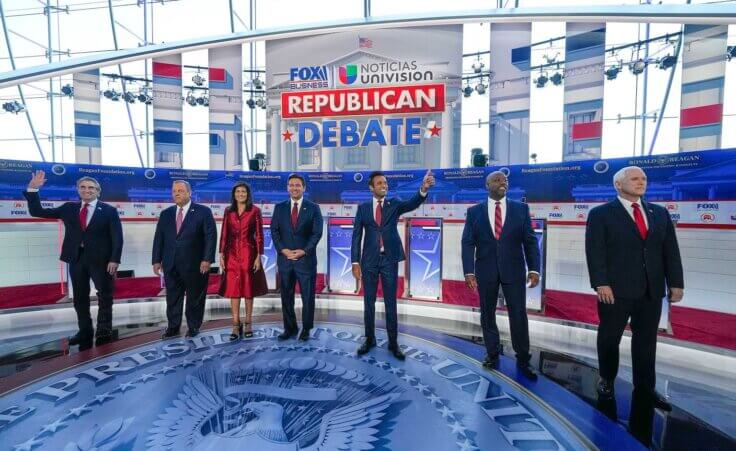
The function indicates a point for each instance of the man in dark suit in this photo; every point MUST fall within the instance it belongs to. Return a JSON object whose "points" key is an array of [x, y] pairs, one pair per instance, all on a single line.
{"points": [[381, 253], [184, 248], [498, 245], [93, 242], [632, 255], [296, 228]]}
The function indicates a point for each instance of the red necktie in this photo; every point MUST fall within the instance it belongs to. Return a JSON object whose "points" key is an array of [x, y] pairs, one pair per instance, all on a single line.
{"points": [[639, 220], [498, 224], [83, 216], [294, 215], [379, 221], [179, 219]]}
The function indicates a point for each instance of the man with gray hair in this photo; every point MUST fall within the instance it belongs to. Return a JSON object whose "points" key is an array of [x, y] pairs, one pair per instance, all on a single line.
{"points": [[632, 256], [93, 243], [184, 248]]}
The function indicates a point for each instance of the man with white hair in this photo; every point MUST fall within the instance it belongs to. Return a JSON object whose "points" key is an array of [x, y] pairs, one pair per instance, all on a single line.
{"points": [[632, 256]]}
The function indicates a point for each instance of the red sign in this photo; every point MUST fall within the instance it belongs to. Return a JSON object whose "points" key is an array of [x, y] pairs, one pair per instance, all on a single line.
{"points": [[427, 98]]}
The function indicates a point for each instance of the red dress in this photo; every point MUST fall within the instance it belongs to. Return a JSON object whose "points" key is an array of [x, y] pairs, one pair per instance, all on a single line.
{"points": [[240, 241]]}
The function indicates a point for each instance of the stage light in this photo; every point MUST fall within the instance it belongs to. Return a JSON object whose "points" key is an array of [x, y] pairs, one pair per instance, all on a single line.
{"points": [[191, 100], [480, 160], [129, 97], [198, 79], [144, 97], [612, 72], [667, 62], [260, 102], [257, 83], [251, 103], [731, 53], [638, 66], [541, 81], [478, 66], [111, 94], [467, 91], [14, 107], [480, 88], [67, 90], [556, 79]]}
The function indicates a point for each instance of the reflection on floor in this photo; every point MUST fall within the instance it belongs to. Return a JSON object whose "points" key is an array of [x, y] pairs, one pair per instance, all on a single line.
{"points": [[237, 383]]}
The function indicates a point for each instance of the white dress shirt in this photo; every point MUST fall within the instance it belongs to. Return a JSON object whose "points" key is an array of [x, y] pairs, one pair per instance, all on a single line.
{"points": [[90, 210], [630, 210]]}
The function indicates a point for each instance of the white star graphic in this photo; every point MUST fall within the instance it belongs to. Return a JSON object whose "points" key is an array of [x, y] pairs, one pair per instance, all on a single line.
{"points": [[266, 260], [28, 445], [433, 251], [421, 387], [467, 445], [99, 399], [434, 399], [78, 411], [166, 369], [408, 378], [381, 364], [347, 265], [394, 370], [53, 427], [446, 412], [124, 386], [457, 428], [148, 376]]}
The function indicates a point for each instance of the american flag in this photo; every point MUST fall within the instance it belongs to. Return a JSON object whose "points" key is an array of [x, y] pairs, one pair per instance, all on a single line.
{"points": [[365, 43]]}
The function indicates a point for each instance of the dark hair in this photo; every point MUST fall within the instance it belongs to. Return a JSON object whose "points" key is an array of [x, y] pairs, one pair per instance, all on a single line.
{"points": [[373, 175], [248, 201], [296, 176]]}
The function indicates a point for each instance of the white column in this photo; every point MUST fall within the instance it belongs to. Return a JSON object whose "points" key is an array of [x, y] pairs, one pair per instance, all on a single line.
{"points": [[387, 161], [446, 138], [275, 141], [327, 158], [285, 147]]}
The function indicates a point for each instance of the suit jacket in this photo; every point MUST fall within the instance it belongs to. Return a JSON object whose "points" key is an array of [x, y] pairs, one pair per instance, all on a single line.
{"points": [[506, 258], [102, 239], [365, 221], [617, 256], [305, 236], [196, 241]]}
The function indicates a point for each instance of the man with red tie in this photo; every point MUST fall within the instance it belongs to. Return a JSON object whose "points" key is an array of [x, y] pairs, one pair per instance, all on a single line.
{"points": [[93, 243], [498, 245], [632, 255]]}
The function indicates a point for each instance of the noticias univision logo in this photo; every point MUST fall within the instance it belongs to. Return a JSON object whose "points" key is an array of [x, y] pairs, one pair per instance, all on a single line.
{"points": [[348, 74]]}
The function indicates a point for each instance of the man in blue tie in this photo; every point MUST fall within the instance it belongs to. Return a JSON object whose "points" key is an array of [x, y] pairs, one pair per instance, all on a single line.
{"points": [[381, 253], [498, 245]]}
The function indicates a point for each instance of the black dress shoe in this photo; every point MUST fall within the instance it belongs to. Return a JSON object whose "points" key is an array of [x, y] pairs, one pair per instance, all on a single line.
{"points": [[605, 388], [86, 343], [527, 370], [660, 402], [80, 337], [170, 333], [287, 334], [191, 333], [396, 351], [366, 346], [103, 339], [490, 362], [304, 335]]}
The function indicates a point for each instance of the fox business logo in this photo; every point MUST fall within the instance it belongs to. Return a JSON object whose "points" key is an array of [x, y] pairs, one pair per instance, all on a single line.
{"points": [[555, 215], [707, 217], [18, 213], [708, 206], [309, 77], [581, 207]]}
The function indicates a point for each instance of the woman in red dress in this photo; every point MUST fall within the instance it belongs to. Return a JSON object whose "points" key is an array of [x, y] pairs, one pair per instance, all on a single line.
{"points": [[241, 247]]}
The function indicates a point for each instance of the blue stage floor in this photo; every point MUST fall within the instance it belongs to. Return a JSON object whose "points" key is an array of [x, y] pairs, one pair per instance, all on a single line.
{"points": [[265, 394]]}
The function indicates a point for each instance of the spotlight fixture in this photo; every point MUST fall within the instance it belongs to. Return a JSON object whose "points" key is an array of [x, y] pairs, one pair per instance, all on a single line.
{"points": [[67, 90], [478, 66], [144, 97], [129, 97], [541, 81], [203, 100], [14, 107], [260, 102], [638, 66], [731, 53], [111, 94], [467, 91], [556, 79], [198, 79], [190, 99], [251, 103], [257, 83], [480, 88], [667, 62], [612, 72]]}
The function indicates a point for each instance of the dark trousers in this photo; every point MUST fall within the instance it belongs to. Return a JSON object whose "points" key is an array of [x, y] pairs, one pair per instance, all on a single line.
{"points": [[81, 272], [388, 272], [515, 295], [193, 284], [644, 313], [289, 275]]}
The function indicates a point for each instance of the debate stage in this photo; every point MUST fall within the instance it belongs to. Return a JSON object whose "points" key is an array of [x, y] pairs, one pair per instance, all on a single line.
{"points": [[140, 392]]}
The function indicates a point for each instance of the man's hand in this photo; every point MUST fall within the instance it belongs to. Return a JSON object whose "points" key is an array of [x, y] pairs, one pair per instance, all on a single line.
{"points": [[204, 267], [356, 272], [157, 269], [605, 294], [112, 268], [428, 181], [532, 279], [257, 263], [675, 294], [37, 179], [296, 254], [470, 281], [286, 253]]}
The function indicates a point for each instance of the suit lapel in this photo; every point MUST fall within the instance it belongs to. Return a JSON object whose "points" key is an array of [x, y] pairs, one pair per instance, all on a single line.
{"points": [[95, 214], [626, 218], [300, 216], [508, 221], [485, 222], [651, 221]]}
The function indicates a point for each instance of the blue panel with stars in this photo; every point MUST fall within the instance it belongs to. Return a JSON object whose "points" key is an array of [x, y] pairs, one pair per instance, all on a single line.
{"points": [[425, 258], [339, 266], [269, 254], [261, 393]]}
